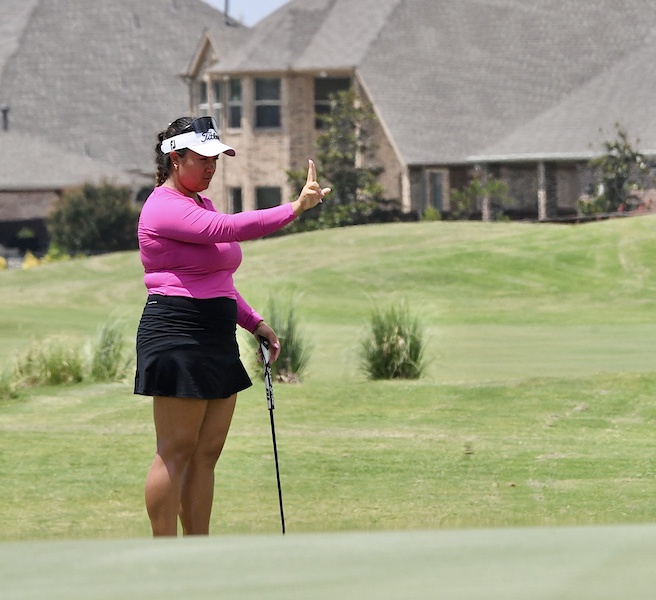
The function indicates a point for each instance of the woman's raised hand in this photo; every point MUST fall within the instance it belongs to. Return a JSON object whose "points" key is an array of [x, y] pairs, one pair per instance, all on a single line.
{"points": [[311, 194]]}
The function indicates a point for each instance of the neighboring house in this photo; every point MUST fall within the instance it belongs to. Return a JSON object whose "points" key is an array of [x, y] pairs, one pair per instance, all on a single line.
{"points": [[554, 149], [447, 79], [33, 176], [84, 88]]}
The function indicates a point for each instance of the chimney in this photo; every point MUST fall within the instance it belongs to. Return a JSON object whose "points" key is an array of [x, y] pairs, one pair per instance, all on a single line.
{"points": [[226, 11], [5, 117]]}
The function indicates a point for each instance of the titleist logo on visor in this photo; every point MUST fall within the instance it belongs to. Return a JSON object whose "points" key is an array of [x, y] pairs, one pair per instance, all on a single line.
{"points": [[210, 135]]}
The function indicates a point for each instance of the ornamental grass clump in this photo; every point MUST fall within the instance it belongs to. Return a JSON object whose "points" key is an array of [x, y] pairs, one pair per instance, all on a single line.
{"points": [[51, 362], [295, 350], [64, 361], [7, 387], [107, 355], [393, 348]]}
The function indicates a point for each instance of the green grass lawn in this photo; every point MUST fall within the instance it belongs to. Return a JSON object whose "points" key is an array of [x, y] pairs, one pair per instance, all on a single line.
{"points": [[537, 406]]}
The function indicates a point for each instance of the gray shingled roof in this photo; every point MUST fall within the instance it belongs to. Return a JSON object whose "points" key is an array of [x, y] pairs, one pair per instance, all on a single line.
{"points": [[312, 34], [100, 78], [577, 127], [14, 20], [449, 77], [48, 166]]}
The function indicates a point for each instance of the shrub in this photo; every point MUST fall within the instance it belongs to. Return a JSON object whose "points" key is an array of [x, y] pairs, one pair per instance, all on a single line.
{"points": [[431, 214], [94, 219], [466, 202], [621, 170], [55, 254], [295, 350], [30, 261], [393, 348], [592, 205]]}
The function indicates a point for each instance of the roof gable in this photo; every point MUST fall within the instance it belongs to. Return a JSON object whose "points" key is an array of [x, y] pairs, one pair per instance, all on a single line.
{"points": [[278, 40], [346, 34]]}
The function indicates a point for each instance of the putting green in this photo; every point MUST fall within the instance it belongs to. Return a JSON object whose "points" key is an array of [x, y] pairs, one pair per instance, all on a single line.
{"points": [[577, 563]]}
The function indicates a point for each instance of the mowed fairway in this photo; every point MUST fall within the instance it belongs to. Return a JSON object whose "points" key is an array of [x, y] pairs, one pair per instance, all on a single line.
{"points": [[537, 408]]}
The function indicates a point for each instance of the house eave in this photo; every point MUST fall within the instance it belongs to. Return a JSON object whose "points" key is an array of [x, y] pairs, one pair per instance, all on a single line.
{"points": [[538, 157], [289, 70]]}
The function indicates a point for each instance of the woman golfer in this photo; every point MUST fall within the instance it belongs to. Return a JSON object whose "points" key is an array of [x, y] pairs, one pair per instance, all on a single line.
{"points": [[187, 353]]}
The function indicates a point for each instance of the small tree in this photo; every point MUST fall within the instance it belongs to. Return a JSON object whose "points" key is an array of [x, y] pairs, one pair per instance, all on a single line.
{"points": [[94, 219], [619, 171], [342, 149]]}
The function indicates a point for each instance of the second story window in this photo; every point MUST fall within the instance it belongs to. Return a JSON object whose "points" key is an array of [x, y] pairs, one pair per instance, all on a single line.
{"points": [[267, 103], [203, 99], [234, 104], [266, 197], [324, 88], [217, 102]]}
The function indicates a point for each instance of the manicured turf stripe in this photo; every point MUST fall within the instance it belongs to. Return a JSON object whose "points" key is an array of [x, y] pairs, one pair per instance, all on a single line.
{"points": [[577, 563]]}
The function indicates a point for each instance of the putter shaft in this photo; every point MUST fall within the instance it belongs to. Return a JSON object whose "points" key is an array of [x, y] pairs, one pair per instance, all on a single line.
{"points": [[268, 384]]}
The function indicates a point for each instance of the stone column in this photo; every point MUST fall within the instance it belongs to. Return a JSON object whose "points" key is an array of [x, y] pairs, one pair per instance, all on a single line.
{"points": [[486, 210], [406, 191], [542, 191]]}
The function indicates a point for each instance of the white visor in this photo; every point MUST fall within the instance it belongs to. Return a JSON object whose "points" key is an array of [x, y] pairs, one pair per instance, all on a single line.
{"points": [[206, 143]]}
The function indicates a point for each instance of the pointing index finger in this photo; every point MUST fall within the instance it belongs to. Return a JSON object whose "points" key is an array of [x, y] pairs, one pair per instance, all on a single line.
{"points": [[312, 172]]}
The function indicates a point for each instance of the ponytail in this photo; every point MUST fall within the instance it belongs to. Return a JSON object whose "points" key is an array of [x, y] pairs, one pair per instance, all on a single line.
{"points": [[163, 161]]}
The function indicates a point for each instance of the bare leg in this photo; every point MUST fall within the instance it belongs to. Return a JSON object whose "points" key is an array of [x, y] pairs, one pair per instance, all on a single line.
{"points": [[198, 482], [178, 423]]}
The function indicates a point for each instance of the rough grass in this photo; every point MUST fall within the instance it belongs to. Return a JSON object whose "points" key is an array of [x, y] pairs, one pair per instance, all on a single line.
{"points": [[537, 406]]}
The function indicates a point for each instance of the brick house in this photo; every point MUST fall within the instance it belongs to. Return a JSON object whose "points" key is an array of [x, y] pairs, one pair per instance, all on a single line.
{"points": [[448, 80], [516, 88], [551, 152]]}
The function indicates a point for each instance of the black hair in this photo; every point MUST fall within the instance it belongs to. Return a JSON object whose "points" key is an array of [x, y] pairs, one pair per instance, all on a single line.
{"points": [[162, 160]]}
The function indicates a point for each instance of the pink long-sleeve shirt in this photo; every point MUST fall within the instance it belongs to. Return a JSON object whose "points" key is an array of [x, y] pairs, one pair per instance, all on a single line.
{"points": [[193, 251]]}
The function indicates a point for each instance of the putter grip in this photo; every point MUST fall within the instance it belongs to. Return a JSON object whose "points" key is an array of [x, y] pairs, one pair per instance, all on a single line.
{"points": [[266, 356]]}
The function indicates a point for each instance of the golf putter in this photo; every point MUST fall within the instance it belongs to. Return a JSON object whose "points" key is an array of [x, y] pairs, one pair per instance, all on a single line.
{"points": [[268, 383]]}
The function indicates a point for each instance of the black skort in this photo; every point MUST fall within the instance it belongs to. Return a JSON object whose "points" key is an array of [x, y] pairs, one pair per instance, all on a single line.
{"points": [[187, 348]]}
